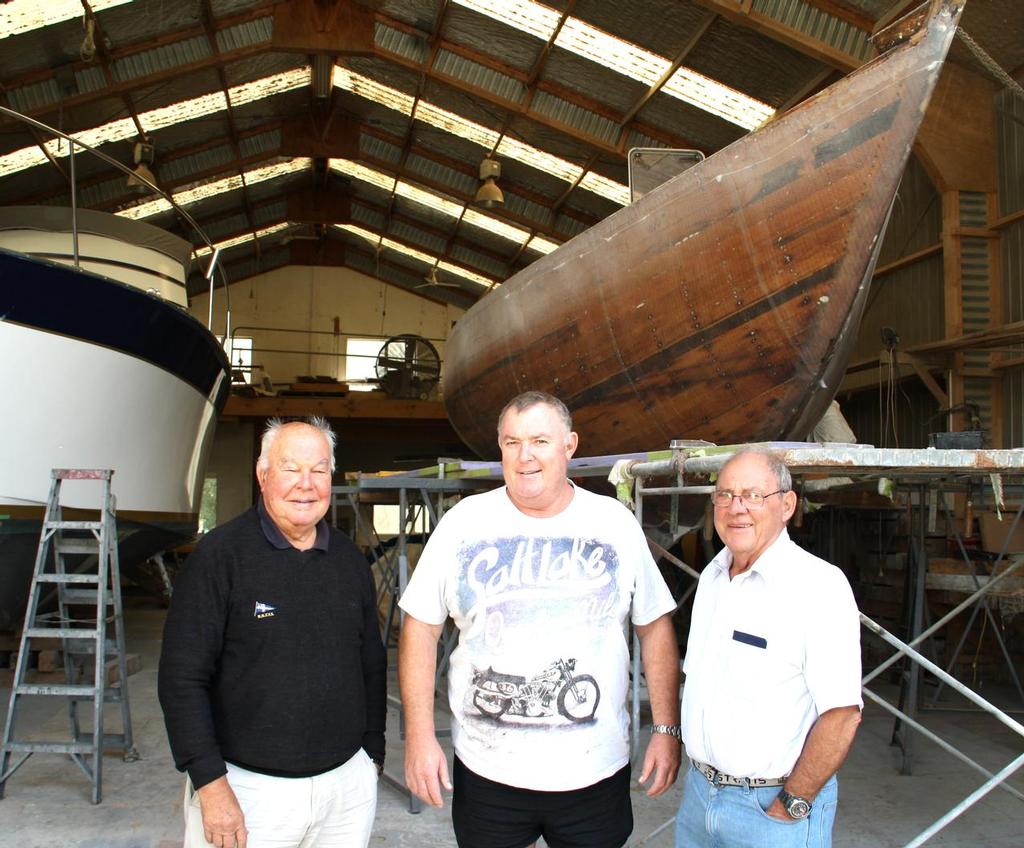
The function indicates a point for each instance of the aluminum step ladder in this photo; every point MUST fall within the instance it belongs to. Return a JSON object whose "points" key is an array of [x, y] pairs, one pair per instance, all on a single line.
{"points": [[76, 562]]}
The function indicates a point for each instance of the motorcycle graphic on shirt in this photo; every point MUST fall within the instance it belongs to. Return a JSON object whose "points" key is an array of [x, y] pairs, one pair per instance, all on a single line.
{"points": [[557, 687]]}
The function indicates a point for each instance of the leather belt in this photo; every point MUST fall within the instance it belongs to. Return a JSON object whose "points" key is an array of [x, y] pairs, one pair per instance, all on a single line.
{"points": [[721, 779]]}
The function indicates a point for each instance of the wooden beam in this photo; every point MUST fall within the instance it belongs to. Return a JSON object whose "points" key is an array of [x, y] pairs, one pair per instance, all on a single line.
{"points": [[909, 259], [335, 27], [746, 15]]}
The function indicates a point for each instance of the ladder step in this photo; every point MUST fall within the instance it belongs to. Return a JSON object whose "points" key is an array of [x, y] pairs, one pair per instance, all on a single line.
{"points": [[50, 577], [83, 596], [73, 525], [49, 747], [88, 646], [61, 632], [110, 696], [63, 689], [77, 546]]}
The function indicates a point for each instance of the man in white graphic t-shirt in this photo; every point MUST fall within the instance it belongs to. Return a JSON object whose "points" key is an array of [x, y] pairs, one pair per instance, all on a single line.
{"points": [[540, 577]]}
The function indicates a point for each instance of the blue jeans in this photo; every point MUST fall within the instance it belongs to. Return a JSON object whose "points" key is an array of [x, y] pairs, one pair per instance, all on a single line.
{"points": [[734, 817]]}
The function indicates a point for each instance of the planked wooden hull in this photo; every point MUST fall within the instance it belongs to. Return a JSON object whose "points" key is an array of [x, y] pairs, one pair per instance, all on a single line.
{"points": [[724, 304]]}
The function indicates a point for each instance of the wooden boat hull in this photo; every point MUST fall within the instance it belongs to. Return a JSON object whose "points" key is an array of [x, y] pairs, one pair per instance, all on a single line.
{"points": [[722, 305]]}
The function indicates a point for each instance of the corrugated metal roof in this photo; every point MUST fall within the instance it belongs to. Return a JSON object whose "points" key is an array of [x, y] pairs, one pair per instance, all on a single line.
{"points": [[256, 145], [269, 213], [376, 148], [583, 120], [477, 261], [819, 25], [161, 58], [90, 79], [368, 216], [416, 237], [479, 76], [528, 209], [181, 167], [246, 34], [569, 225], [28, 98], [226, 226], [401, 43], [435, 172]]}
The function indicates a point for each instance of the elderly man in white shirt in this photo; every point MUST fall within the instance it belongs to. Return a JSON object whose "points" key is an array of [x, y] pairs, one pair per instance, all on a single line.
{"points": [[772, 696]]}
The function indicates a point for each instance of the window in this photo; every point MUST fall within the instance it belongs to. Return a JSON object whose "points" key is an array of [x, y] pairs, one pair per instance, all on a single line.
{"points": [[360, 362], [239, 351], [208, 506]]}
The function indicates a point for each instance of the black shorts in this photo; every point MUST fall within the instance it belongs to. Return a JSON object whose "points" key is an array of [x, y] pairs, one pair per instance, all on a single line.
{"points": [[492, 815]]}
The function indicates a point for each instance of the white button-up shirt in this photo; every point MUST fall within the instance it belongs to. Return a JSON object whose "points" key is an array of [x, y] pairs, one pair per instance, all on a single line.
{"points": [[768, 652]]}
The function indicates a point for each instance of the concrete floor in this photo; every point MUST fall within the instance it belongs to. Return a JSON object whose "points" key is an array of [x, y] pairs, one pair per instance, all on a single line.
{"points": [[47, 801]]}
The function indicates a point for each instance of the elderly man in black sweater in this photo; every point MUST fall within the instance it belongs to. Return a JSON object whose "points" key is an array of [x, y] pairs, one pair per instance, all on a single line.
{"points": [[272, 676]]}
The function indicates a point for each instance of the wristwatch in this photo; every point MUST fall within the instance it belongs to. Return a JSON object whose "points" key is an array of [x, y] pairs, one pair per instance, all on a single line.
{"points": [[797, 807], [668, 730]]}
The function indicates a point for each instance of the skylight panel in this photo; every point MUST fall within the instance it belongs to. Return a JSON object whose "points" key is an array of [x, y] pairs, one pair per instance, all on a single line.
{"points": [[175, 113], [542, 245], [429, 199], [546, 162], [533, 18], [704, 93], [455, 124], [444, 205], [626, 58], [18, 16], [259, 89], [508, 147], [348, 80], [154, 119], [245, 238], [146, 209], [613, 191], [472, 276], [362, 172], [221, 186], [425, 258]]}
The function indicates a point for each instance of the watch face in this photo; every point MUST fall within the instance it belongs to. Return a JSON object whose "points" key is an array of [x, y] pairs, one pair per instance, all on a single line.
{"points": [[798, 808]]}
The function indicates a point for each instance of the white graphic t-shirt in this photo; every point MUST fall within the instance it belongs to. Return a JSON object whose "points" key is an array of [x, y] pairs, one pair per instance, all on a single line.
{"points": [[537, 684]]}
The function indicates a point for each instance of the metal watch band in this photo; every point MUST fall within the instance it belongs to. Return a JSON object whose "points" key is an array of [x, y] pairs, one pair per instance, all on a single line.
{"points": [[797, 807], [668, 730]]}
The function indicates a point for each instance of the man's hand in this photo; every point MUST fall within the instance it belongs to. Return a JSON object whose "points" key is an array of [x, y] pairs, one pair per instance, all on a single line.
{"points": [[426, 769], [661, 761], [223, 821], [777, 811]]}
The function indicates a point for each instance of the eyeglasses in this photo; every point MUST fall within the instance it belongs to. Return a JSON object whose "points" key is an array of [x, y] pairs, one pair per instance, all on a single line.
{"points": [[751, 498]]}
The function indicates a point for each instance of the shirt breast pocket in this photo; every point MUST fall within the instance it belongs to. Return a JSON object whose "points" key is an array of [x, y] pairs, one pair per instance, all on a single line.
{"points": [[747, 662]]}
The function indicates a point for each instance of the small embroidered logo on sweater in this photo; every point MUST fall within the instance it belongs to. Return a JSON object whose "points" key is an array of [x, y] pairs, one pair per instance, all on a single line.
{"points": [[264, 610]]}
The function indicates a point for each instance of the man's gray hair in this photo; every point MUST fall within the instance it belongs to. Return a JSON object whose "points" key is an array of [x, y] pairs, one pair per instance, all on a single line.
{"points": [[527, 400], [774, 462], [273, 430]]}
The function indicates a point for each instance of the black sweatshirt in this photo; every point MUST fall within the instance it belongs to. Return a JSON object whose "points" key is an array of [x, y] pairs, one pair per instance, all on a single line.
{"points": [[272, 657]]}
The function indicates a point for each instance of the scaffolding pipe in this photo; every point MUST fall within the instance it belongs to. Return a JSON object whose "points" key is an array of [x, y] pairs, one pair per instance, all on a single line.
{"points": [[968, 802], [955, 684], [953, 613], [938, 740]]}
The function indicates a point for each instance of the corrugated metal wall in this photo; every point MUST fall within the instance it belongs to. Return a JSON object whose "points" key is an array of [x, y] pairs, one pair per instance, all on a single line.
{"points": [[907, 417], [1010, 141], [908, 300]]}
